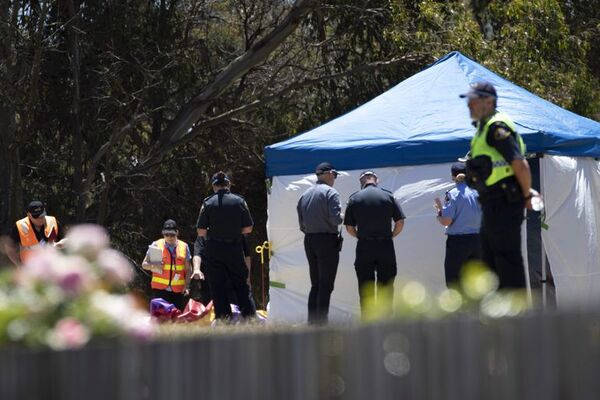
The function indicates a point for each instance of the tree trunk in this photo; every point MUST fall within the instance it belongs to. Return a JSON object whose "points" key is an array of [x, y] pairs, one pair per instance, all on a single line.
{"points": [[11, 197], [5, 117], [81, 195], [8, 209]]}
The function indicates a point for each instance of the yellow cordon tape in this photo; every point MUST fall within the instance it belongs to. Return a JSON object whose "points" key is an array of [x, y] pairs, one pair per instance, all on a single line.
{"points": [[266, 246]]}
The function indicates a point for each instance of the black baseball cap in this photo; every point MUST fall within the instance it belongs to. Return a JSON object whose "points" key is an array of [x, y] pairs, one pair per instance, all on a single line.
{"points": [[458, 168], [36, 208], [480, 89], [169, 227], [367, 173], [325, 167], [220, 178]]}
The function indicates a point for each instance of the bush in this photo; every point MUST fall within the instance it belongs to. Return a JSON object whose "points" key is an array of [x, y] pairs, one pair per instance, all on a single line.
{"points": [[62, 299]]}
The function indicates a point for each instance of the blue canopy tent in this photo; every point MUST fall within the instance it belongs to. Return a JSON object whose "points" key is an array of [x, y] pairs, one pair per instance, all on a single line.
{"points": [[422, 121], [409, 134]]}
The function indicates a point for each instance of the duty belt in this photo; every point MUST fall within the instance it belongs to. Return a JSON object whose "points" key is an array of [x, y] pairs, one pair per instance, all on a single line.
{"points": [[222, 240], [375, 238]]}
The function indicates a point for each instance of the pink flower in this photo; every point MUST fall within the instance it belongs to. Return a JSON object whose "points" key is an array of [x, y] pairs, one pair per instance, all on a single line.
{"points": [[41, 266], [74, 275], [123, 312], [68, 333], [140, 326], [48, 267], [87, 240], [115, 267]]}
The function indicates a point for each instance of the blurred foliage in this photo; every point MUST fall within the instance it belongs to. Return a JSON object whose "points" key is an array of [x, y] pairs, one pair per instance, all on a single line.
{"points": [[476, 293], [78, 75], [549, 47]]}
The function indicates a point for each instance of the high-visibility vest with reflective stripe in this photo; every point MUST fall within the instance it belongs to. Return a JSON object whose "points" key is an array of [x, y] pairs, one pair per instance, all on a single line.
{"points": [[27, 235], [173, 272], [501, 169]]}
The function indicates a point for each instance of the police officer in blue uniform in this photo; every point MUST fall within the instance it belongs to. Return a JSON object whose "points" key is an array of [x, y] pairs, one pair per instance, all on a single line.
{"points": [[369, 216], [319, 214], [500, 173], [224, 216], [461, 215]]}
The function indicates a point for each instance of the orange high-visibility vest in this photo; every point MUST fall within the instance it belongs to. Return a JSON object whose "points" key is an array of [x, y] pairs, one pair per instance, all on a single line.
{"points": [[173, 272], [27, 234]]}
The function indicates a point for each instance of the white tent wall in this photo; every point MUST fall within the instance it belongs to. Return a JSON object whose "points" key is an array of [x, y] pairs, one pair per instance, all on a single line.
{"points": [[420, 248], [571, 188]]}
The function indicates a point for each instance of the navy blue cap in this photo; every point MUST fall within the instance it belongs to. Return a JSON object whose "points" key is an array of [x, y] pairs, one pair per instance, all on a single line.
{"points": [[220, 178], [36, 208], [480, 89], [458, 168], [324, 167], [170, 226]]}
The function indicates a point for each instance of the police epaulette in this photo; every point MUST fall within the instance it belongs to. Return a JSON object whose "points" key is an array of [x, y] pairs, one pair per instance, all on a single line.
{"points": [[388, 191], [238, 196]]}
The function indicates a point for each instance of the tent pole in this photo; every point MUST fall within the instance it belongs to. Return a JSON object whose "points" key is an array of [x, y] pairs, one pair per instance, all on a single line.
{"points": [[544, 275], [543, 279], [525, 260]]}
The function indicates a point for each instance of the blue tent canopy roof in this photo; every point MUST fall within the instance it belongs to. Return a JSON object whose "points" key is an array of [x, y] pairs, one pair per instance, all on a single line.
{"points": [[423, 121]]}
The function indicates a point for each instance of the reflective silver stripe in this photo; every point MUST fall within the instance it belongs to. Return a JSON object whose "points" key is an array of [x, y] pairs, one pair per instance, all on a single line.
{"points": [[24, 227], [501, 163]]}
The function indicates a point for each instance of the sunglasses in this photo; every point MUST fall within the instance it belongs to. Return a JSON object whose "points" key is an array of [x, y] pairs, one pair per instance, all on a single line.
{"points": [[169, 234]]}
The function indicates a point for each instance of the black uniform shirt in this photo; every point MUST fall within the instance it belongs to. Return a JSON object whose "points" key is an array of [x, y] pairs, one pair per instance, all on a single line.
{"points": [[224, 214], [504, 139], [371, 210]]}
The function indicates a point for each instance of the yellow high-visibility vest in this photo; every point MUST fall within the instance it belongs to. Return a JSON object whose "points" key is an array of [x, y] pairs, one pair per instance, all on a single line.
{"points": [[501, 169], [173, 272]]}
